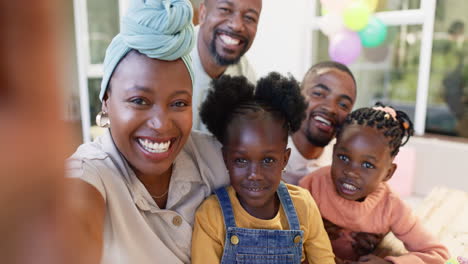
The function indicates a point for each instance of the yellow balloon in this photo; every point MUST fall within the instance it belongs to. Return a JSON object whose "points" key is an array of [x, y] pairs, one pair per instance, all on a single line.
{"points": [[372, 4], [324, 11], [356, 16]]}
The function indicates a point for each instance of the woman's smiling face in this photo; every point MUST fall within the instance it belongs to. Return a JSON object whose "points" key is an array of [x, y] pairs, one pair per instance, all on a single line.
{"points": [[150, 112], [361, 161]]}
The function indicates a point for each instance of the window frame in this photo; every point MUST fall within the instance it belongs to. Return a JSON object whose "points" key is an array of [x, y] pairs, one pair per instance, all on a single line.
{"points": [[423, 16], [86, 70]]}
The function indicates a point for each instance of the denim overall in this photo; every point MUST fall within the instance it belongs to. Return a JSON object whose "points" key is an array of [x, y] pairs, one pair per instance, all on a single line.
{"points": [[260, 246]]}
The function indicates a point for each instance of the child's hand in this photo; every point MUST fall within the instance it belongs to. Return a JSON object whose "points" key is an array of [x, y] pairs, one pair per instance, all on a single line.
{"points": [[371, 259], [339, 261], [365, 243]]}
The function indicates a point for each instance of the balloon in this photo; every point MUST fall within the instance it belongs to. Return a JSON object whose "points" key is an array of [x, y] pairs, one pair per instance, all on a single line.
{"points": [[324, 11], [378, 54], [335, 6], [356, 15], [330, 24], [372, 4], [345, 47], [374, 33]]}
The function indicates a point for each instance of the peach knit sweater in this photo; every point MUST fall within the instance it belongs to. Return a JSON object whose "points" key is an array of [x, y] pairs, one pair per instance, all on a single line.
{"points": [[382, 211]]}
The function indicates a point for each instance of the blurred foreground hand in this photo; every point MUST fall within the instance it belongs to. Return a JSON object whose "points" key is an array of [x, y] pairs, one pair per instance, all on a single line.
{"points": [[33, 137]]}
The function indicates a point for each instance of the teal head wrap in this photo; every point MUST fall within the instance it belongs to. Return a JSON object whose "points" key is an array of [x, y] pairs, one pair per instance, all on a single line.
{"points": [[160, 29]]}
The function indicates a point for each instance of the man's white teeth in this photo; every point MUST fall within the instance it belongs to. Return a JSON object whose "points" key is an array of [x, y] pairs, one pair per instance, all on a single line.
{"points": [[323, 120], [154, 147], [228, 40], [349, 187]]}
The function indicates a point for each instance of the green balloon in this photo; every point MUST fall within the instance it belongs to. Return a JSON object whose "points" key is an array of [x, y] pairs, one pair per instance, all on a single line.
{"points": [[374, 33], [356, 15]]}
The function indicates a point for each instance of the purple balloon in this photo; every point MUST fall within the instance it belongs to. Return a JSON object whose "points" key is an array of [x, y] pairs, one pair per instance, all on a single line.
{"points": [[345, 47]]}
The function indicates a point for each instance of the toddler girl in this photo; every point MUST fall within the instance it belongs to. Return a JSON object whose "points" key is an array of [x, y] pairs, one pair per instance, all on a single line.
{"points": [[357, 205], [258, 219]]}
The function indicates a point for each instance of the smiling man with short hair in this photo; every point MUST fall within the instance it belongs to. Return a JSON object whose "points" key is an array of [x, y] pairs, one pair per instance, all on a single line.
{"points": [[226, 32], [330, 91]]}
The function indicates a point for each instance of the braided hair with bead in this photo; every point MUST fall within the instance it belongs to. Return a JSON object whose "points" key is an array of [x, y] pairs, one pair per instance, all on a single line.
{"points": [[394, 124]]}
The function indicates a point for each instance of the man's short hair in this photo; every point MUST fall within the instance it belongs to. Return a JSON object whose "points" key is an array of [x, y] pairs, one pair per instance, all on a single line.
{"points": [[330, 65]]}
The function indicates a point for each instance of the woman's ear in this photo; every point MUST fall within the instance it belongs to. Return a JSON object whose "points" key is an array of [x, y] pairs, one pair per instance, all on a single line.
{"points": [[390, 172], [104, 107]]}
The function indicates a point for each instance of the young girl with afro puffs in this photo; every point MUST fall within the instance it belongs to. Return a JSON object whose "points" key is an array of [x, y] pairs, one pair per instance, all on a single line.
{"points": [[357, 205], [259, 218]]}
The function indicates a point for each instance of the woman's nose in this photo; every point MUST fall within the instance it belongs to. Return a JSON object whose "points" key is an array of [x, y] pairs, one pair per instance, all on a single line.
{"points": [[159, 120]]}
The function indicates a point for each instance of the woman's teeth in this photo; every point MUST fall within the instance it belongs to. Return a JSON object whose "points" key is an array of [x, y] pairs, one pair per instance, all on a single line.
{"points": [[154, 147]]}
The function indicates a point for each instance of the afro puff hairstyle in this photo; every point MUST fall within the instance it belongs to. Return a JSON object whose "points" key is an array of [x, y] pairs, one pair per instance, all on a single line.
{"points": [[398, 130], [230, 97]]}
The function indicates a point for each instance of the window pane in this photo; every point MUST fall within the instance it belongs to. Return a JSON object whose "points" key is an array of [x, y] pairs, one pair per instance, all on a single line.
{"points": [[390, 5], [103, 22], [448, 92], [388, 73], [94, 87]]}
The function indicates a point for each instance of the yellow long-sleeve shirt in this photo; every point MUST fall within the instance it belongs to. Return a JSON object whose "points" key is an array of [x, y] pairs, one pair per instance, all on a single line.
{"points": [[209, 231]]}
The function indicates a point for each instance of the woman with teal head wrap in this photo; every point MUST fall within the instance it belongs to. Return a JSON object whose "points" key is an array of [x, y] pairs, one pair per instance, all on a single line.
{"points": [[155, 28], [136, 188]]}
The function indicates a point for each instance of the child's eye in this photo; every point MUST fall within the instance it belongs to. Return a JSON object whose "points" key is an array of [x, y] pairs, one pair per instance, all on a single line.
{"points": [[268, 160], [368, 165], [240, 161], [343, 157]]}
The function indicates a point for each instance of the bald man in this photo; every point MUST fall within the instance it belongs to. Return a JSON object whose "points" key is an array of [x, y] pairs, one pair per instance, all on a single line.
{"points": [[226, 31]]}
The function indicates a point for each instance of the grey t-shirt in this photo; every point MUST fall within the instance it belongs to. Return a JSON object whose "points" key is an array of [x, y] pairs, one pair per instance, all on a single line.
{"points": [[136, 230]]}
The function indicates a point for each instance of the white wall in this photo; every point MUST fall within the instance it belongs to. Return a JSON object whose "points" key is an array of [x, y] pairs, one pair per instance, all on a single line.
{"points": [[439, 163], [280, 44]]}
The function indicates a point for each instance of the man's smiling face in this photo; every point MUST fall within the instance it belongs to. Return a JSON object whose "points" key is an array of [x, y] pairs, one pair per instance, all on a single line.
{"points": [[228, 28], [330, 94]]}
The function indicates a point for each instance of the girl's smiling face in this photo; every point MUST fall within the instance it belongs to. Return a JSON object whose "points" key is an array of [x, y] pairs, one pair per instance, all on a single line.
{"points": [[255, 154], [361, 161], [149, 107]]}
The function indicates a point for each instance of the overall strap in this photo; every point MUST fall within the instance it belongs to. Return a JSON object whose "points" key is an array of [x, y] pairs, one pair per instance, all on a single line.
{"points": [[288, 206], [226, 207]]}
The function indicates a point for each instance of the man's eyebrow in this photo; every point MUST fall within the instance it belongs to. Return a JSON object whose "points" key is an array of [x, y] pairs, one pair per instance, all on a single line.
{"points": [[253, 11], [248, 10], [322, 86], [347, 97], [227, 2]]}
